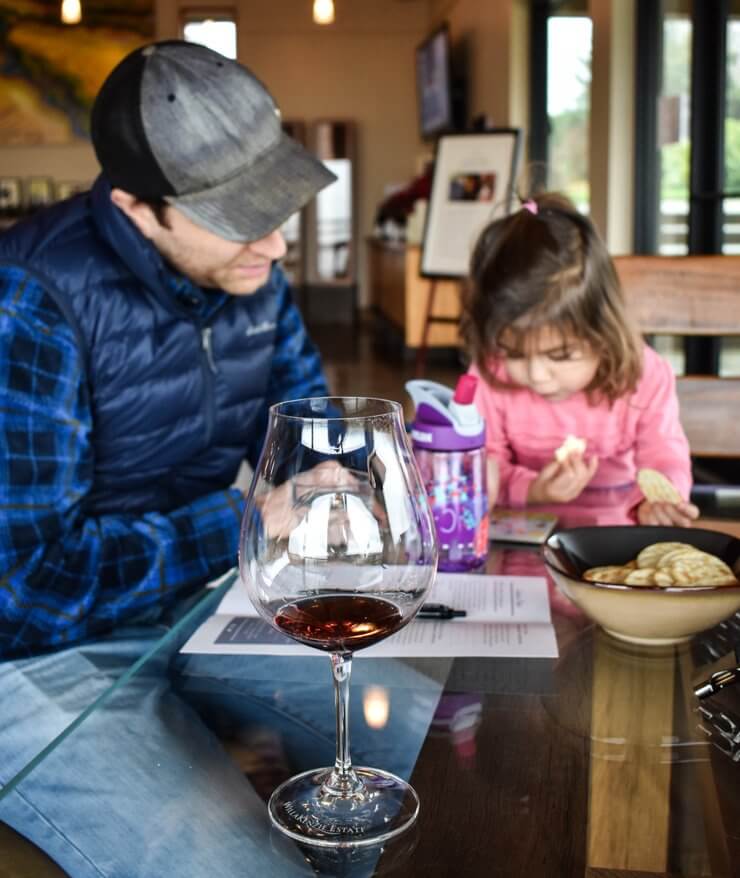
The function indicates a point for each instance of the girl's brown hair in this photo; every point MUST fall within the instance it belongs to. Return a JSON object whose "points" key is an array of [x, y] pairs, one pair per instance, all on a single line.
{"points": [[546, 265]]}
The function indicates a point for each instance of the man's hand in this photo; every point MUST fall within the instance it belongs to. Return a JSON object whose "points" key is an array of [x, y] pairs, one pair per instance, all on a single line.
{"points": [[281, 509], [561, 482], [667, 514]]}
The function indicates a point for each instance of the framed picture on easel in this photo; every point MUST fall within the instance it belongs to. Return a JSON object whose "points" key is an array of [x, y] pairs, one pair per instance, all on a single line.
{"points": [[473, 182]]}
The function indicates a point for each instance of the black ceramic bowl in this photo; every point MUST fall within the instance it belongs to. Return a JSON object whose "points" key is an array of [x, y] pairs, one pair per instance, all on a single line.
{"points": [[646, 614]]}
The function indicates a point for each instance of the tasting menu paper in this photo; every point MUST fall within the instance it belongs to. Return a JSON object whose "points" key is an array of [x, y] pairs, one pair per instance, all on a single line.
{"points": [[507, 616]]}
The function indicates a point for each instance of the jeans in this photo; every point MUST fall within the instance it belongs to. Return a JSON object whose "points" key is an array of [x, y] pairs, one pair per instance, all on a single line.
{"points": [[144, 788]]}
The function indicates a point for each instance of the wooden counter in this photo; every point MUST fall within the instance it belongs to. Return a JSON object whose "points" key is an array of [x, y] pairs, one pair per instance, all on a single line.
{"points": [[400, 294]]}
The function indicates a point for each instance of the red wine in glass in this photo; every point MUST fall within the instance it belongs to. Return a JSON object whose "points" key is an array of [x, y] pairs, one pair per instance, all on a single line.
{"points": [[339, 622]]}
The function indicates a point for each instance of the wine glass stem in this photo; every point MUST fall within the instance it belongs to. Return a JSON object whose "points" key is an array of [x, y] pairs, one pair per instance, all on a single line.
{"points": [[343, 781]]}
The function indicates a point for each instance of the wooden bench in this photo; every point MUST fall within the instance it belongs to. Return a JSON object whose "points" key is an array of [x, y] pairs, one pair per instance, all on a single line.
{"points": [[699, 296]]}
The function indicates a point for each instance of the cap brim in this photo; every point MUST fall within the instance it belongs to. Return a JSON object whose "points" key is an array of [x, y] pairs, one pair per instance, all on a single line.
{"points": [[259, 200]]}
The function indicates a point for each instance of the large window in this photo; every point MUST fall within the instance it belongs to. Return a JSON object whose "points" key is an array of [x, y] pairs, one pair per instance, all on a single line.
{"points": [[560, 73], [569, 105], [674, 133], [697, 119], [674, 139], [731, 213]]}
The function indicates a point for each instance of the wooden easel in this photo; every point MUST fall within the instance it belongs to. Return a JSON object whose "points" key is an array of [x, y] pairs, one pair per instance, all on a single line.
{"points": [[430, 318]]}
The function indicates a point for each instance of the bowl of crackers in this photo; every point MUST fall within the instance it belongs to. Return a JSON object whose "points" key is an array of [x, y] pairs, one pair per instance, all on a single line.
{"points": [[648, 585]]}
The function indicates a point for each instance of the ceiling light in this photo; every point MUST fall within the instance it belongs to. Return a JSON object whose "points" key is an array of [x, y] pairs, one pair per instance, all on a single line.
{"points": [[71, 11], [323, 11]]}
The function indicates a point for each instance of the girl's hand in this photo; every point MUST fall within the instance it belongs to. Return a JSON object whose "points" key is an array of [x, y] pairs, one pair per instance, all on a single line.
{"points": [[562, 482], [667, 514]]}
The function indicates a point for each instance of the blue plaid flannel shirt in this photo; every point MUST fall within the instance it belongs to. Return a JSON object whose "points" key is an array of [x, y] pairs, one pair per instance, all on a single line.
{"points": [[64, 576]]}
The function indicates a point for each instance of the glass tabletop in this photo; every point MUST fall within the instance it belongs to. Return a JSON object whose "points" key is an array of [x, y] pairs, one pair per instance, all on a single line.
{"points": [[599, 762]]}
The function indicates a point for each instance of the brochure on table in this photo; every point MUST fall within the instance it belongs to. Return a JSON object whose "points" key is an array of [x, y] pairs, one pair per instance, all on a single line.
{"points": [[507, 616]]}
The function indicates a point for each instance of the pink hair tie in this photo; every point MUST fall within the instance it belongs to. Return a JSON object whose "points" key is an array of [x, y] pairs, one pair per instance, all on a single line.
{"points": [[531, 206]]}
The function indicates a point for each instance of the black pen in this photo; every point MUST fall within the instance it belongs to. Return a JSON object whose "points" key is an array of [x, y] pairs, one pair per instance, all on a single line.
{"points": [[440, 611]]}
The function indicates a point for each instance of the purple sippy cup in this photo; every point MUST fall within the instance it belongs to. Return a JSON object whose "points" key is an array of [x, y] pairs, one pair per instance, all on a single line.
{"points": [[449, 438]]}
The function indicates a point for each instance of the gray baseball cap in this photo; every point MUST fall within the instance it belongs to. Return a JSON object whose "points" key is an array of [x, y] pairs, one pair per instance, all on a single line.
{"points": [[179, 122]]}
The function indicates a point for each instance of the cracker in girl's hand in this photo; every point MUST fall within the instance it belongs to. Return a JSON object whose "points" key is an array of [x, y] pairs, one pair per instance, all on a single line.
{"points": [[657, 488], [571, 445]]}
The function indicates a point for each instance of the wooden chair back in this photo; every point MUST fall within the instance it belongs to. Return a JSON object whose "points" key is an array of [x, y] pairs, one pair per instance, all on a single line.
{"points": [[692, 295]]}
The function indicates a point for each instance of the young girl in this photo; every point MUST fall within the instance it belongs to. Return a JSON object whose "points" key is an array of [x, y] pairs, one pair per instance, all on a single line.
{"points": [[547, 328]]}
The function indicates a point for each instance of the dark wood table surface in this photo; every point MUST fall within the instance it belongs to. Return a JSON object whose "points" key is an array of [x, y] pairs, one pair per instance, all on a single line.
{"points": [[592, 764]]}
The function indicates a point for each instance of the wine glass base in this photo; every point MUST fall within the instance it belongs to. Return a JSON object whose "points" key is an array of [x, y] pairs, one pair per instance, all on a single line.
{"points": [[386, 807]]}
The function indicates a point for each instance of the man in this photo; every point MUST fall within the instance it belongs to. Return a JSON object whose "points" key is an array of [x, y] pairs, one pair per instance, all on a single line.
{"points": [[145, 330]]}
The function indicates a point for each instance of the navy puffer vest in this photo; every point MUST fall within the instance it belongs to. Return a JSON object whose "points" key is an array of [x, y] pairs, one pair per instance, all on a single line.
{"points": [[177, 386]]}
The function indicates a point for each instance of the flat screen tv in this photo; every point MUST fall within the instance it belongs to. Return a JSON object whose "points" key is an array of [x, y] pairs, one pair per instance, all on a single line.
{"points": [[434, 84]]}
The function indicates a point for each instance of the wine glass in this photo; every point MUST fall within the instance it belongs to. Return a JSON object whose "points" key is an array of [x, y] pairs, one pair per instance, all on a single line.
{"points": [[338, 551]]}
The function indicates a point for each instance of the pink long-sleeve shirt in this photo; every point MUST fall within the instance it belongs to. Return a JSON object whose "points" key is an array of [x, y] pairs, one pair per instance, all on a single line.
{"points": [[641, 429]]}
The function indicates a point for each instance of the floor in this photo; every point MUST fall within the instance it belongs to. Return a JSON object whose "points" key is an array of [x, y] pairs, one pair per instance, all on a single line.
{"points": [[360, 362]]}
